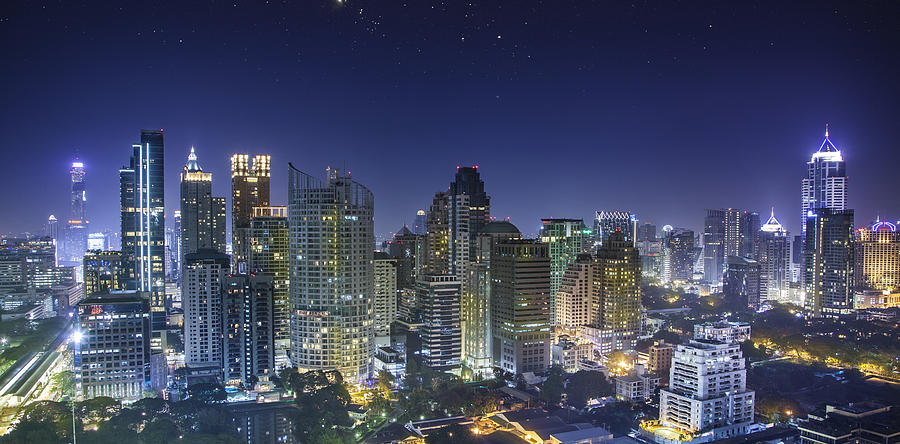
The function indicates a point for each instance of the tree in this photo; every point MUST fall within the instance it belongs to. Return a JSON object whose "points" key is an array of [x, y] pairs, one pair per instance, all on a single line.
{"points": [[552, 388], [98, 409], [329, 436], [207, 392], [160, 431], [64, 383], [584, 385]]}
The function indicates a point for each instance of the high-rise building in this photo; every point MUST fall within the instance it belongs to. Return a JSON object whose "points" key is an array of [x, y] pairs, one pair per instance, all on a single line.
{"points": [[469, 210], [707, 398], [475, 306], [53, 231], [646, 232], [607, 222], [435, 251], [268, 252], [248, 342], [420, 223], [106, 271], [403, 247], [828, 253], [332, 295], [678, 255], [142, 196], [202, 215], [202, 291], [76, 235], [565, 240], [520, 306], [727, 232], [249, 188], [877, 256], [385, 268], [616, 307], [825, 184], [441, 331], [112, 347], [573, 299], [740, 287], [775, 261]]}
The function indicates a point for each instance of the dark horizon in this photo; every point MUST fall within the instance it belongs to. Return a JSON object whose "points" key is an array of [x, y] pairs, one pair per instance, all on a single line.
{"points": [[665, 110]]}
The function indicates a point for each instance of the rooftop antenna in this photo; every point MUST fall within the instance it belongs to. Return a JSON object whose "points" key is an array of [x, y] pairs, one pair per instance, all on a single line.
{"points": [[826, 130]]}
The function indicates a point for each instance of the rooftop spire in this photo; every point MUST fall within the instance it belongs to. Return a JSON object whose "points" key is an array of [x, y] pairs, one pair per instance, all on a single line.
{"points": [[192, 165], [826, 130]]}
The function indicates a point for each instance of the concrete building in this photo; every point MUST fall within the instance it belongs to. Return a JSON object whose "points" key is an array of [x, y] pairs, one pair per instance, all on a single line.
{"points": [[660, 360], [565, 238], [575, 295], [723, 331], [774, 255], [248, 345], [828, 259], [520, 306], [203, 284], [877, 257], [440, 331], [740, 286], [107, 271], [385, 295], [202, 214], [707, 398], [825, 184], [332, 301], [268, 240], [249, 189], [636, 386], [112, 346], [617, 303]]}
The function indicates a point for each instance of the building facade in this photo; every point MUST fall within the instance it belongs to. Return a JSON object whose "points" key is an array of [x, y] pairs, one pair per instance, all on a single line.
{"points": [[520, 306], [202, 215], [202, 291], [268, 238], [877, 257], [565, 239], [106, 271], [575, 294], [332, 295], [774, 261], [248, 336], [385, 268], [825, 184], [249, 188], [828, 253], [617, 302]]}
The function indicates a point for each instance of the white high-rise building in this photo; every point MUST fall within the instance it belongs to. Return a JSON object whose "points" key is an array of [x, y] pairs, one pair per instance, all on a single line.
{"points": [[825, 185], [707, 398], [576, 291], [332, 283], [775, 261], [724, 331], [385, 296]]}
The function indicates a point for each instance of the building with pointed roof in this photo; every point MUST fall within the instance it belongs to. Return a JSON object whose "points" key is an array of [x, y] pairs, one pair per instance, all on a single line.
{"points": [[774, 261], [825, 185], [202, 215]]}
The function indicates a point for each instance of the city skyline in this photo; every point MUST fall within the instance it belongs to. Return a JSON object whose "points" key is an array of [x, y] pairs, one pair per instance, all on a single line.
{"points": [[698, 93]]}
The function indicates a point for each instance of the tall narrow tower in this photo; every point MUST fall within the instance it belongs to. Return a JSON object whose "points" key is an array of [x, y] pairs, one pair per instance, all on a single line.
{"points": [[332, 303], [202, 215], [75, 241], [142, 191], [249, 188], [825, 185]]}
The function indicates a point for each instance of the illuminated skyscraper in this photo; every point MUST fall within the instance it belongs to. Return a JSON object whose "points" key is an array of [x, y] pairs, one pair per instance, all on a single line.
{"points": [[828, 253], [249, 188], [565, 240], [106, 271], [332, 296], [248, 346], [475, 304], [202, 215], [607, 222], [520, 306], [825, 185], [877, 257], [469, 210], [142, 192], [740, 286], [435, 257], [727, 232], [617, 304], [385, 268], [268, 254], [420, 222], [75, 242], [678, 255], [775, 261], [576, 291], [203, 288]]}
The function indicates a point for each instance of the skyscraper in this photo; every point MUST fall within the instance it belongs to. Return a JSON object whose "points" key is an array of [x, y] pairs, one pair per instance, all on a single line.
{"points": [[142, 192], [420, 222], [774, 261], [248, 344], [249, 188], [678, 251], [439, 295], [106, 271], [727, 232], [825, 184], [469, 210], [435, 258], [403, 247], [203, 285], [385, 268], [565, 240], [75, 243], [202, 215], [520, 306], [877, 257], [617, 305], [475, 305], [828, 253], [740, 287], [576, 292], [268, 254], [332, 313], [607, 222]]}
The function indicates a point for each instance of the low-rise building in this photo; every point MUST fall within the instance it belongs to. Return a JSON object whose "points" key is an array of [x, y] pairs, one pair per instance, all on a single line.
{"points": [[636, 386], [724, 331], [865, 422], [391, 361]]}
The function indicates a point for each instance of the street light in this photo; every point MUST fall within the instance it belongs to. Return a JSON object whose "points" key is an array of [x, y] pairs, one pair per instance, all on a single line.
{"points": [[77, 336]]}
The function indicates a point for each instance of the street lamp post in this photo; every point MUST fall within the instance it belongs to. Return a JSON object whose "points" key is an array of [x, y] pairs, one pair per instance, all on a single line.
{"points": [[76, 339]]}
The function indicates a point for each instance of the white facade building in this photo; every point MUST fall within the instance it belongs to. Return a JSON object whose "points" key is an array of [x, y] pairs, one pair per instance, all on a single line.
{"points": [[728, 332]]}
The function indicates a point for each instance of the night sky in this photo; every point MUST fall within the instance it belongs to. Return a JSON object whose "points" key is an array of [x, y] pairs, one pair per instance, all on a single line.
{"points": [[664, 108]]}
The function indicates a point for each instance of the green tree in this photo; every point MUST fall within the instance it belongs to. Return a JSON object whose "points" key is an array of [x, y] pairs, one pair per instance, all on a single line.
{"points": [[584, 385], [552, 388], [452, 434], [64, 382], [160, 431], [207, 392], [98, 409]]}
